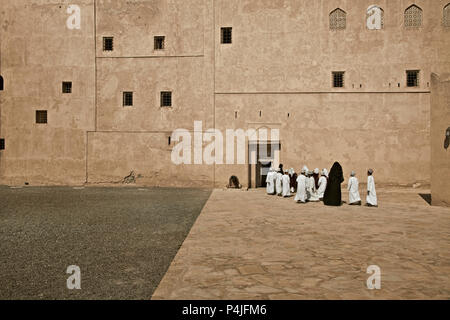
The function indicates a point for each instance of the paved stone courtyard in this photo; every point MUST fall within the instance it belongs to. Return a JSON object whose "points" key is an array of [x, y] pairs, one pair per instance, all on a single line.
{"points": [[123, 239], [248, 245]]}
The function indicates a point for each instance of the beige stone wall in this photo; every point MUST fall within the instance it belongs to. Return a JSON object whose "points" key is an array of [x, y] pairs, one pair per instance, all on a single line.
{"points": [[440, 157], [38, 53], [279, 63], [113, 155], [361, 131]]}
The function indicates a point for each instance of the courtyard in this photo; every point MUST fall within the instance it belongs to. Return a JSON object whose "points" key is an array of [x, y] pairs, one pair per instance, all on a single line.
{"points": [[158, 243], [123, 239], [248, 245]]}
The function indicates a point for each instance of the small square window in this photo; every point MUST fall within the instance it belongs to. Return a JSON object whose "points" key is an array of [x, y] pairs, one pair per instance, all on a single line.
{"points": [[67, 87], [227, 35], [166, 99], [108, 43], [41, 116], [159, 42], [128, 99], [2, 144], [338, 79], [412, 78]]}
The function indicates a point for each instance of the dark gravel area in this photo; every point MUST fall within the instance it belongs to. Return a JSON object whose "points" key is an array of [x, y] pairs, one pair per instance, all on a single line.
{"points": [[123, 239]]}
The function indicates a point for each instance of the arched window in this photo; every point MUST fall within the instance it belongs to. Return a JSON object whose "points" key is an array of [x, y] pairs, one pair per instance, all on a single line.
{"points": [[413, 16], [446, 17], [1, 83], [338, 19], [368, 16]]}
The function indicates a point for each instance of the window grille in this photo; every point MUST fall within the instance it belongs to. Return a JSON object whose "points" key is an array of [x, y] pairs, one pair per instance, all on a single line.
{"points": [[108, 43], [338, 79], [338, 19], [413, 17], [128, 99], [166, 99], [227, 35], [412, 78], [41, 116]]}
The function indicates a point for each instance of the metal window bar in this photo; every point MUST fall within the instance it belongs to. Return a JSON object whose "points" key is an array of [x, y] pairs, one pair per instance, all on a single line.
{"points": [[41, 116], [128, 99], [227, 35], [108, 43], [166, 99]]}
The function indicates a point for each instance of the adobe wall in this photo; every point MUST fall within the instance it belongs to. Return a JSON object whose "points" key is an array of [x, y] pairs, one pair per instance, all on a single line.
{"points": [[440, 157], [38, 53]]}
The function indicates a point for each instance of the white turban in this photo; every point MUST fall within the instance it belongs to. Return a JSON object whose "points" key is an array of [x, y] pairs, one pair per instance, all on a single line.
{"points": [[316, 171], [325, 172]]}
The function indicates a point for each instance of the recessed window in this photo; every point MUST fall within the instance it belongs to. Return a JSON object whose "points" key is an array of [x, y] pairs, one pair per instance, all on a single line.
{"points": [[159, 42], [338, 19], [446, 16], [412, 78], [166, 99], [41, 116], [227, 35], [128, 99], [2, 144], [67, 87], [338, 79], [1, 83], [413, 17], [108, 43]]}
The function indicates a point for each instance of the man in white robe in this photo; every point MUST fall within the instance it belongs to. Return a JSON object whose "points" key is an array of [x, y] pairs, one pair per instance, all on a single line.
{"points": [[371, 192], [270, 181], [279, 183], [354, 199], [322, 184], [286, 182], [301, 187], [312, 195]]}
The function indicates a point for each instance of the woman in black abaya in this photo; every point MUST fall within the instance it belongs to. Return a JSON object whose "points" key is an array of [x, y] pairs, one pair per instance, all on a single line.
{"points": [[332, 195]]}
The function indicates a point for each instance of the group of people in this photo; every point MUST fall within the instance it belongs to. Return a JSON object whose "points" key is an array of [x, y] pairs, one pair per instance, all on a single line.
{"points": [[315, 186]]}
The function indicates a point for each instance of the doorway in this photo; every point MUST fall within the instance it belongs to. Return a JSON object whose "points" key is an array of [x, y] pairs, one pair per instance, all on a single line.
{"points": [[266, 156]]}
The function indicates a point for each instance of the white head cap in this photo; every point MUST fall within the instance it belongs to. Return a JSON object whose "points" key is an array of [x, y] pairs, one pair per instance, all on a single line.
{"points": [[316, 171], [325, 172], [353, 174]]}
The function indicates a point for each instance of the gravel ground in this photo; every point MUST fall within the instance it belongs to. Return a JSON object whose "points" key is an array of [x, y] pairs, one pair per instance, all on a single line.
{"points": [[123, 239]]}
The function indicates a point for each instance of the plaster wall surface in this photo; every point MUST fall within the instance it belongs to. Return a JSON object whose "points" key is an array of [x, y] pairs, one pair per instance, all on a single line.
{"points": [[276, 73], [440, 157], [38, 53]]}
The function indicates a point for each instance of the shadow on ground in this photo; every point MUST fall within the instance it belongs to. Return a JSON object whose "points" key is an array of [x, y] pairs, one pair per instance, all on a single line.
{"points": [[123, 239]]}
